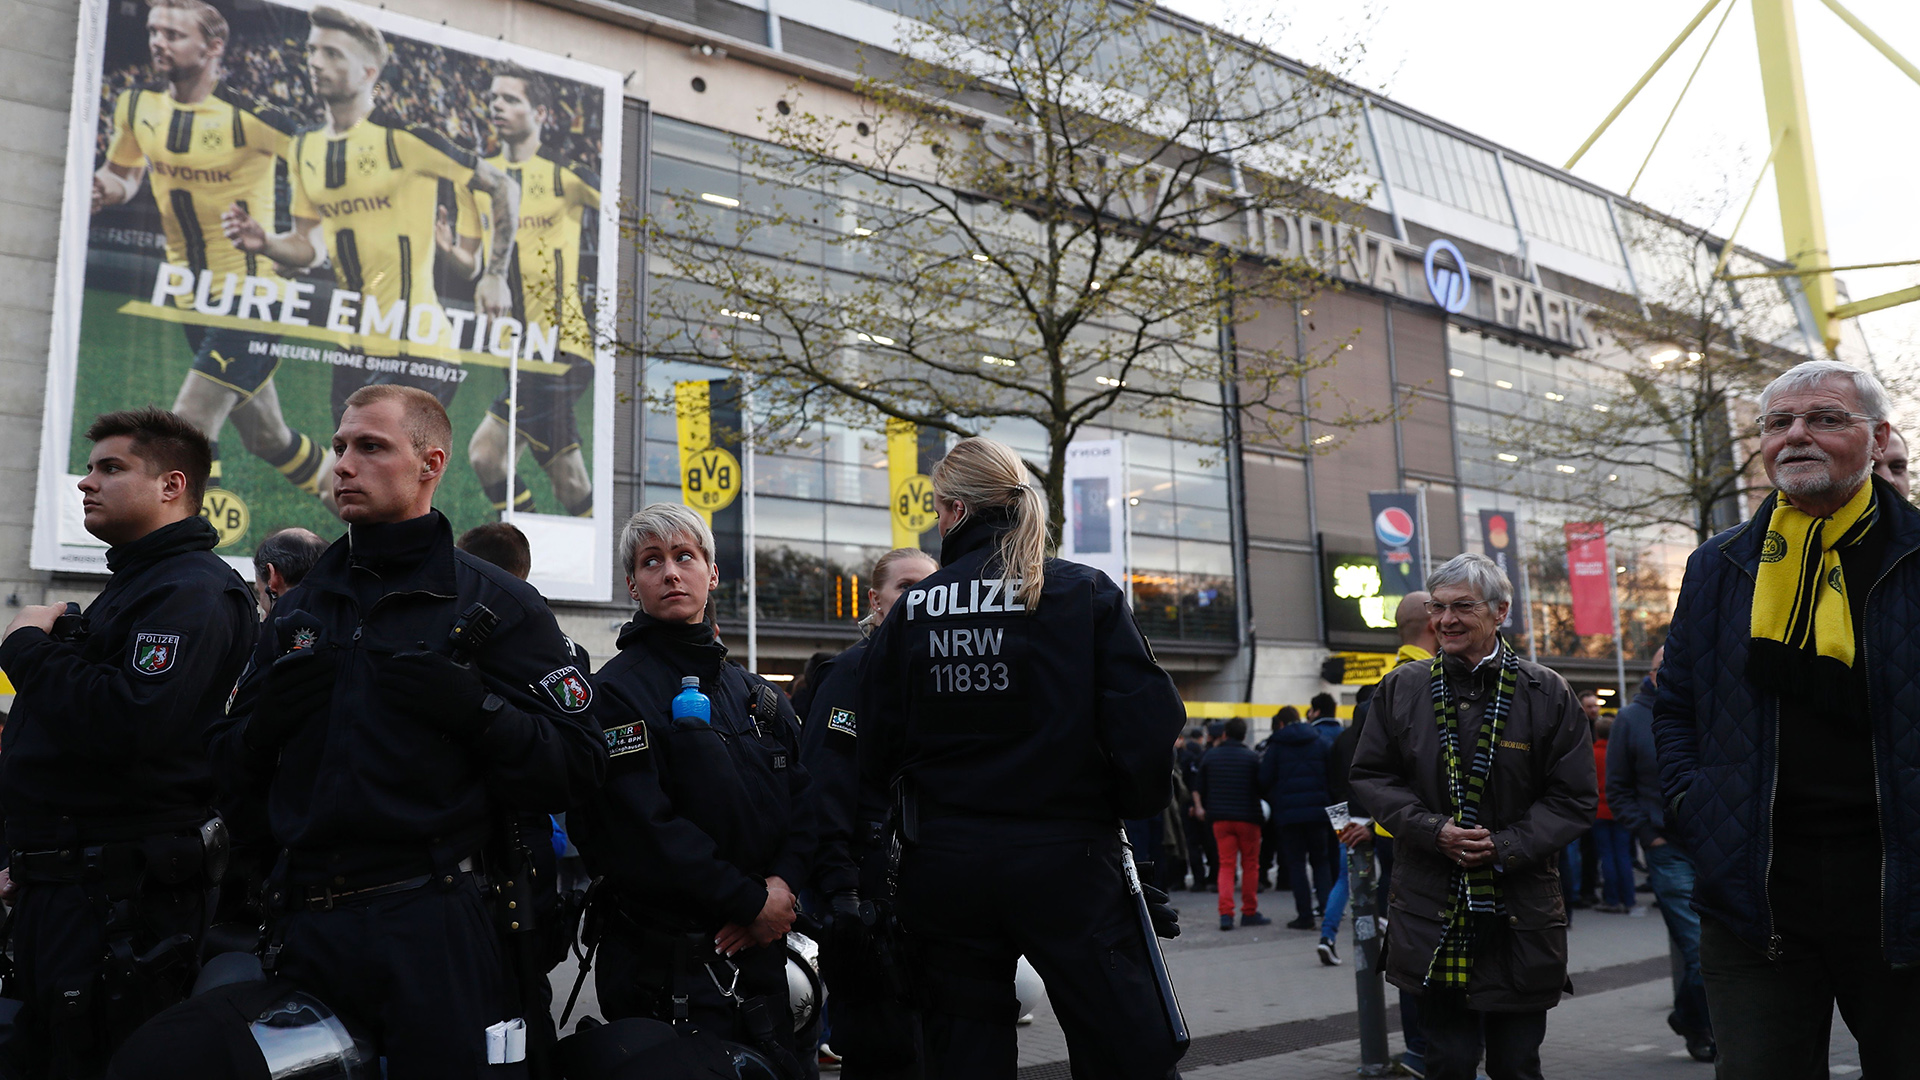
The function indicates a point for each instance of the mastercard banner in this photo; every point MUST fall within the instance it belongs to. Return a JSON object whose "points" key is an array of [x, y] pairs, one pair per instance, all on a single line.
{"points": [[1500, 540], [1397, 541]]}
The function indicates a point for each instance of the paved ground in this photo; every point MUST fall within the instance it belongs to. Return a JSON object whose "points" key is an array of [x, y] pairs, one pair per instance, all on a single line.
{"points": [[1261, 1006], [1265, 987]]}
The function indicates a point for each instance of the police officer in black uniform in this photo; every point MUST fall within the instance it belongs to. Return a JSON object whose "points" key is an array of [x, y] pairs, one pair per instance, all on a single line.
{"points": [[1018, 714], [865, 1030], [104, 778], [405, 702], [698, 833]]}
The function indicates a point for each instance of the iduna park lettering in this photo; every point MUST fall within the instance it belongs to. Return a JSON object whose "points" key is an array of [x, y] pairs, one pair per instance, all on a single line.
{"points": [[1381, 262]]}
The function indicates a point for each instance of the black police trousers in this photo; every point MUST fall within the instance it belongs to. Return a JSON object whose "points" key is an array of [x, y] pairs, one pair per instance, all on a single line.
{"points": [[969, 926], [633, 973], [69, 1023], [419, 973]]}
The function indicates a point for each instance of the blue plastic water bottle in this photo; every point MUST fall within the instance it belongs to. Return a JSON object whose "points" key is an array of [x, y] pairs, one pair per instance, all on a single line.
{"points": [[690, 703]]}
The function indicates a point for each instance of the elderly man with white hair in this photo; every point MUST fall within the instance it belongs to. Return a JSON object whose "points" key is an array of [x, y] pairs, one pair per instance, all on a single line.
{"points": [[1480, 764], [1788, 728]]}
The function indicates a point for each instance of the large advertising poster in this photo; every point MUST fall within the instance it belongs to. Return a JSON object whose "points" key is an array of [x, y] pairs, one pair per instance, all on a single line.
{"points": [[272, 204]]}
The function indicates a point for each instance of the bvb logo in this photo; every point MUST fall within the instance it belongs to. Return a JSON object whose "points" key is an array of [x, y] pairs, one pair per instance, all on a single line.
{"points": [[1774, 548], [913, 508], [712, 480], [1834, 579], [227, 514]]}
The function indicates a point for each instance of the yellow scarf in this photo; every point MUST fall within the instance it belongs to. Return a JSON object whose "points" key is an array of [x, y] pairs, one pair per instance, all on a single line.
{"points": [[1800, 594]]}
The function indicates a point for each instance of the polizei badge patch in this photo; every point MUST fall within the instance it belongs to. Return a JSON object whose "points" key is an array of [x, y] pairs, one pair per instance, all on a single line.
{"points": [[842, 720], [568, 689], [154, 654]]}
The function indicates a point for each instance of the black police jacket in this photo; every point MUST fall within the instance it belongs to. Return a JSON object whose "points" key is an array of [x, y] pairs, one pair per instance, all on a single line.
{"points": [[107, 730], [369, 787], [830, 749], [693, 817], [991, 709]]}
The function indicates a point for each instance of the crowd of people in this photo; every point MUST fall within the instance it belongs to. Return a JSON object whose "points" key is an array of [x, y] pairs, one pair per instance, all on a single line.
{"points": [[336, 826]]}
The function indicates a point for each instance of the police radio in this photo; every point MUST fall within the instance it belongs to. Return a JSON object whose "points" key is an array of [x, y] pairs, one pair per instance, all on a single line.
{"points": [[470, 632], [69, 625]]}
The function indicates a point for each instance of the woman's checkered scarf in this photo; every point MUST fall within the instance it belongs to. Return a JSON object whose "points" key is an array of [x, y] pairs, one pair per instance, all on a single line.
{"points": [[1477, 891]]}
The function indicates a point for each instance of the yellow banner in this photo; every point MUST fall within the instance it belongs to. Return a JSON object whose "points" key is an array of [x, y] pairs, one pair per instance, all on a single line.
{"points": [[912, 509], [709, 475]]}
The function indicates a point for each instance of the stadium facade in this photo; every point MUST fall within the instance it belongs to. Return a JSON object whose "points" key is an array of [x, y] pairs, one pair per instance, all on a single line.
{"points": [[1248, 566]]}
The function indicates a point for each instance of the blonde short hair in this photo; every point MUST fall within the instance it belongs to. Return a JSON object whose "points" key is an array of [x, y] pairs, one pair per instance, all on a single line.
{"points": [[664, 523]]}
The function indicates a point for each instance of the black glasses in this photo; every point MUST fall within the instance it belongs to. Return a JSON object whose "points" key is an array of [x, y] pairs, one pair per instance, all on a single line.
{"points": [[1819, 421], [1462, 608]]}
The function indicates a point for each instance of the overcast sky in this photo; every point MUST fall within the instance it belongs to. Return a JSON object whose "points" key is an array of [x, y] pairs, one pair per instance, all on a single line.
{"points": [[1539, 76]]}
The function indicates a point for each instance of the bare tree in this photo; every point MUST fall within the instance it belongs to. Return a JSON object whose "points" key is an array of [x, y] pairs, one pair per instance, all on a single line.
{"points": [[1041, 211], [1664, 436]]}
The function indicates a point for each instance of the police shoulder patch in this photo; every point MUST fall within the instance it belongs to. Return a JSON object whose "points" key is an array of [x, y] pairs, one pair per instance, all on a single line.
{"points": [[568, 688], [626, 738], [842, 720], [155, 654]]}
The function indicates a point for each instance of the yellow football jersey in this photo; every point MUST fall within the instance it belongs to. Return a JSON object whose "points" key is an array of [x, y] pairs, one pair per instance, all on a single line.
{"points": [[375, 191], [201, 159], [555, 200]]}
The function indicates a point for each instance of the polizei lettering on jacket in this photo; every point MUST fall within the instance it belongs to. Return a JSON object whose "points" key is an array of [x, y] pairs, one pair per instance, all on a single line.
{"points": [[973, 659], [974, 597]]}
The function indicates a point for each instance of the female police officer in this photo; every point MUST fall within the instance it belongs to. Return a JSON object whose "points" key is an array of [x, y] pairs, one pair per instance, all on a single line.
{"points": [[1016, 711], [867, 1034], [697, 830]]}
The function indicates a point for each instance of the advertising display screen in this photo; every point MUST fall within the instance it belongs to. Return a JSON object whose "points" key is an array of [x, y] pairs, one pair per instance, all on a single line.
{"points": [[271, 205]]}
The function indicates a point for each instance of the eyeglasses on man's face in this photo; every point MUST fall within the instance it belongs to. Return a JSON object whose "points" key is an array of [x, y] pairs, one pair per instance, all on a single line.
{"points": [[1819, 421], [1462, 608]]}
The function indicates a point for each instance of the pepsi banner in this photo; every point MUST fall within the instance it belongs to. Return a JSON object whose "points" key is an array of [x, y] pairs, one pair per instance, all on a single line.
{"points": [[1500, 540], [1397, 541]]}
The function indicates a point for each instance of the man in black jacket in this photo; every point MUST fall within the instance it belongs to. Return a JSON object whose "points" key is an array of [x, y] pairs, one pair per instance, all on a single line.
{"points": [[1228, 798], [407, 700], [104, 780]]}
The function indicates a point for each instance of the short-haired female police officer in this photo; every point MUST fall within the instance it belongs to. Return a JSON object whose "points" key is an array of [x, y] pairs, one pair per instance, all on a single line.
{"points": [[1013, 702], [698, 830]]}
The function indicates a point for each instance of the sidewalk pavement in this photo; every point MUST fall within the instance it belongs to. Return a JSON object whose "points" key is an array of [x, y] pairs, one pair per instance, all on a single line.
{"points": [[1261, 1005]]}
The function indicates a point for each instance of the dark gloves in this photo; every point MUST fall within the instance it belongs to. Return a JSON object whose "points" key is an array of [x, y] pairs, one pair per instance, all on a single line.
{"points": [[1166, 920], [846, 951], [298, 687], [438, 690]]}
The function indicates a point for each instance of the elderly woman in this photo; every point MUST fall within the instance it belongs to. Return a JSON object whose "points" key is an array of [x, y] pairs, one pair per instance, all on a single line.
{"points": [[1481, 766], [698, 830]]}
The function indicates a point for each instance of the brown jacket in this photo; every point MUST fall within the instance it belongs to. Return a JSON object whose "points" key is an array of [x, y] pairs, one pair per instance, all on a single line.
{"points": [[1540, 797]]}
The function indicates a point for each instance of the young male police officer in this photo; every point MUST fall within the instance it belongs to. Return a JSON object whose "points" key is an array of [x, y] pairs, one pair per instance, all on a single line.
{"points": [[104, 779], [389, 754]]}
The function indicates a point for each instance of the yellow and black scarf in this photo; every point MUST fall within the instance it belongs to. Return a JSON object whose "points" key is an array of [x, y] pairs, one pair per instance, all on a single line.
{"points": [[1802, 628]]}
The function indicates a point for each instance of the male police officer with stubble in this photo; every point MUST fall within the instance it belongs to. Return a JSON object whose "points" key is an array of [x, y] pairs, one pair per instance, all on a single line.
{"points": [[104, 779], [389, 754]]}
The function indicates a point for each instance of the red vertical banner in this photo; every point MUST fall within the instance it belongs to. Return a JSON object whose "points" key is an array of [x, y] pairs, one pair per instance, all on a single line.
{"points": [[1589, 577]]}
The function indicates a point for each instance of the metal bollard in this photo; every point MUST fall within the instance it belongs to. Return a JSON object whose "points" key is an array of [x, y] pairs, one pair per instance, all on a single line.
{"points": [[1370, 994]]}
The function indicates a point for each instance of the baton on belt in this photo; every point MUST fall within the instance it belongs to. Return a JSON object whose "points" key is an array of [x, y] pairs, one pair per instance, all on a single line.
{"points": [[1169, 1001]]}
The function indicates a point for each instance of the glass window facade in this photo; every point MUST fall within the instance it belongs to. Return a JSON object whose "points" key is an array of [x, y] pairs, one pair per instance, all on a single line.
{"points": [[1440, 166], [1570, 216], [821, 516], [1493, 382]]}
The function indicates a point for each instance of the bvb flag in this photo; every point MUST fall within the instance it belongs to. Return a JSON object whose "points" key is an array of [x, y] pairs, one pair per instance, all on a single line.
{"points": [[1588, 578], [911, 453], [707, 419]]}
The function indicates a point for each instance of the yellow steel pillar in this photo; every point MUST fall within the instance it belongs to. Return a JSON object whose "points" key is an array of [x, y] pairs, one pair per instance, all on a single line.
{"points": [[1803, 224]]}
